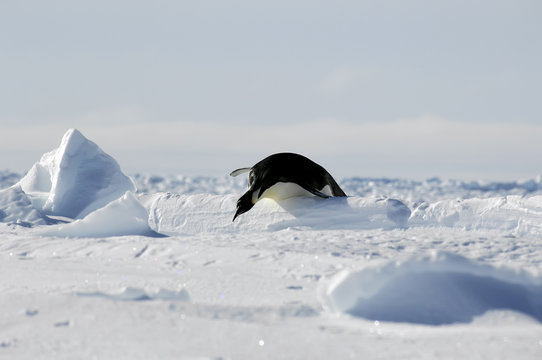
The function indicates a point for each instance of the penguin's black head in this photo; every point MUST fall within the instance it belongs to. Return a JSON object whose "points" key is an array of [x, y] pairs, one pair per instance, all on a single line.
{"points": [[244, 204]]}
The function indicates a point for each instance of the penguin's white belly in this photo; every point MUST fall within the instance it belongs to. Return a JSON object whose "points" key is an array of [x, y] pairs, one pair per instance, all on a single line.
{"points": [[285, 190]]}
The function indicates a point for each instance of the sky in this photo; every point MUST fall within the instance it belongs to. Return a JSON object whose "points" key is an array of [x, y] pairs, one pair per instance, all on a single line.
{"points": [[408, 89]]}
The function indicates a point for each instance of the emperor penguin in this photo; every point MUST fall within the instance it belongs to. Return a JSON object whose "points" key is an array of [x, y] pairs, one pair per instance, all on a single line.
{"points": [[284, 175]]}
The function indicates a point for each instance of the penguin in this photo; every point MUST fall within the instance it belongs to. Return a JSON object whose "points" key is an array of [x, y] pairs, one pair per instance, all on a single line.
{"points": [[284, 175]]}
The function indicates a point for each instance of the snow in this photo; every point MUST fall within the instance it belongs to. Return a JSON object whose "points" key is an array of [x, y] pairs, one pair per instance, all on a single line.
{"points": [[94, 268]]}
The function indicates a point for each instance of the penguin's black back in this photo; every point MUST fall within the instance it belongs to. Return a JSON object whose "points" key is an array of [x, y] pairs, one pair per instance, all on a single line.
{"points": [[290, 167]]}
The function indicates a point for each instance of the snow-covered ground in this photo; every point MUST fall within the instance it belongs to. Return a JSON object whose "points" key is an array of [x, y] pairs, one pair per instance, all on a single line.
{"points": [[96, 264]]}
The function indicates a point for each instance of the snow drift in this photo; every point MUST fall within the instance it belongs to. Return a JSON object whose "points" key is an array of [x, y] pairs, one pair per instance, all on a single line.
{"points": [[172, 214], [435, 290], [515, 214], [179, 214], [124, 216], [75, 179]]}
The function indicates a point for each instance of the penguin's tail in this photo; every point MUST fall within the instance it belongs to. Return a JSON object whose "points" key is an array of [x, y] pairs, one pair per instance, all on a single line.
{"points": [[240, 171]]}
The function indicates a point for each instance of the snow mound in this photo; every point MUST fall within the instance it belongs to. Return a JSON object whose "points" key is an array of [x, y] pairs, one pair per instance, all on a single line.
{"points": [[192, 214], [75, 179], [440, 289], [124, 216]]}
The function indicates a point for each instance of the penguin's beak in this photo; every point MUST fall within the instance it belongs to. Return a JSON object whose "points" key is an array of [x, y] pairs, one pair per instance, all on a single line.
{"points": [[244, 204]]}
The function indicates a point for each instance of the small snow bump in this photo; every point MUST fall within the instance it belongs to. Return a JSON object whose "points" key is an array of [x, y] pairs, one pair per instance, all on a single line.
{"points": [[31, 312], [66, 323], [294, 287]]}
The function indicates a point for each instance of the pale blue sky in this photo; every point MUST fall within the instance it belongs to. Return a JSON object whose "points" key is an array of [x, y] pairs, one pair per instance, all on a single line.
{"points": [[368, 88]]}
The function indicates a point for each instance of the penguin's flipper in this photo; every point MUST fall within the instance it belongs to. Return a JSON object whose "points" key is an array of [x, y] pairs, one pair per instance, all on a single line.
{"points": [[314, 191], [240, 171]]}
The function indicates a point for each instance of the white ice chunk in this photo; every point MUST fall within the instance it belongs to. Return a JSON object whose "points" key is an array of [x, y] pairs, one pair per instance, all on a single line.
{"points": [[75, 179]]}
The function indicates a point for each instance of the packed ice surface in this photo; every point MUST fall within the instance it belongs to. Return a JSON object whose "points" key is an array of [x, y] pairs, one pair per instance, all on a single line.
{"points": [[438, 269], [75, 179]]}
